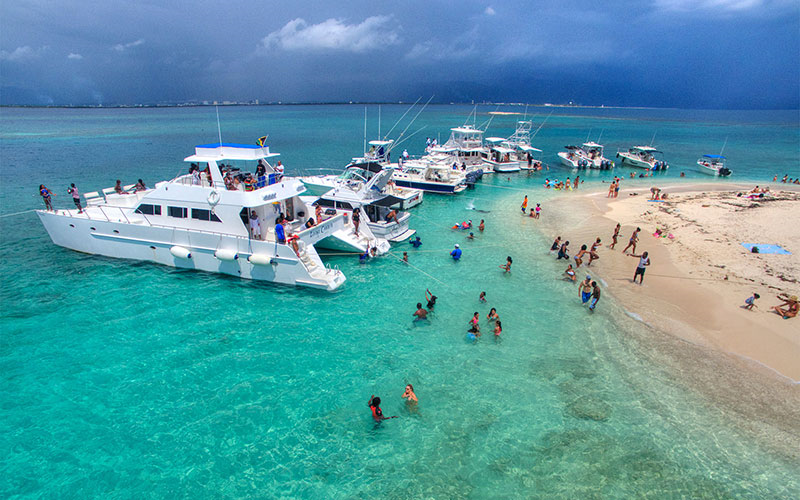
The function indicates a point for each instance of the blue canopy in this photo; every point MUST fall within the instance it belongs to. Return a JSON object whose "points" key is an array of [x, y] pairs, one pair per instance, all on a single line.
{"points": [[720, 157]]}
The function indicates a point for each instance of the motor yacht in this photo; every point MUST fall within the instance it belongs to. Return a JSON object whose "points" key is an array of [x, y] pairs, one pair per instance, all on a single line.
{"points": [[429, 175], [501, 157], [204, 221], [574, 157], [713, 165], [594, 153], [375, 208], [643, 157]]}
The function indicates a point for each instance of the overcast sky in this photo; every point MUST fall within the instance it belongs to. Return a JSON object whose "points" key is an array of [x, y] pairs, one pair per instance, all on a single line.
{"points": [[669, 53]]}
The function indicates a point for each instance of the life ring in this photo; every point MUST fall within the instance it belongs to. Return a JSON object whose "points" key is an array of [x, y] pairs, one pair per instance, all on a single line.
{"points": [[213, 198]]}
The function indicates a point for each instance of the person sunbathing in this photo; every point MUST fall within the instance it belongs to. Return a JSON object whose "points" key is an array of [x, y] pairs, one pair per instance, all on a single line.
{"points": [[789, 307]]}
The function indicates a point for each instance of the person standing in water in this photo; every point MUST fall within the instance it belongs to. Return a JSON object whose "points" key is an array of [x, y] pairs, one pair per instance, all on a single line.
{"points": [[556, 244], [570, 272], [632, 242], [616, 235], [525, 204], [409, 395], [375, 405], [475, 328], [585, 289], [405, 257], [481, 226], [482, 297], [431, 298], [456, 253], [420, 313], [498, 329], [507, 265], [595, 296], [562, 252]]}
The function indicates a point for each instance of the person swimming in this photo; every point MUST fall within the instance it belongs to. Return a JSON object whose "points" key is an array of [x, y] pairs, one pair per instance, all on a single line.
{"points": [[492, 316], [431, 298], [409, 395]]}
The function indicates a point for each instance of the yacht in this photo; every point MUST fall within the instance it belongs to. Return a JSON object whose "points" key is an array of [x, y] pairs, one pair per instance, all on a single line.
{"points": [[713, 165], [501, 157], [375, 208], [200, 221], [429, 175], [520, 142], [464, 147], [643, 157], [359, 173]]}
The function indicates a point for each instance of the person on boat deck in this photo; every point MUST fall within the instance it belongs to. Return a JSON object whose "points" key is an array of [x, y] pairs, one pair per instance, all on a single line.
{"points": [[280, 232], [261, 175], [356, 219], [230, 185], [318, 213], [76, 197], [456, 253], [249, 182], [392, 216], [279, 170], [118, 188], [139, 186], [310, 222], [46, 194], [255, 226], [207, 171]]}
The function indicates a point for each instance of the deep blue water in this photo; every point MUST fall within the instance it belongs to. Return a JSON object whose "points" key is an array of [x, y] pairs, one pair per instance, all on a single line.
{"points": [[131, 380]]}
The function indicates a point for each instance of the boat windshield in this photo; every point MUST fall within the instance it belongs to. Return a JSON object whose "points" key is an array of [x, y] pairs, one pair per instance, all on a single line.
{"points": [[357, 174]]}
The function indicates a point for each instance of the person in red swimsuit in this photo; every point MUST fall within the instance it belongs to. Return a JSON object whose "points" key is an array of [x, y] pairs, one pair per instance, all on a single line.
{"points": [[375, 405]]}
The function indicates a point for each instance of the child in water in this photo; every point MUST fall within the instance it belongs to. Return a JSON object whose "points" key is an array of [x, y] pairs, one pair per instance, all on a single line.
{"points": [[497, 329], [482, 297], [375, 405]]}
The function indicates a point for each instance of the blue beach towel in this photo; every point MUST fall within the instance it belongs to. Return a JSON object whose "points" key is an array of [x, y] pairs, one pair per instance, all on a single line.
{"points": [[766, 248]]}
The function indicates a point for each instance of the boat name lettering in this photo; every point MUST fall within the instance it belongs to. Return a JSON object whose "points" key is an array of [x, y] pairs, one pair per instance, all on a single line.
{"points": [[270, 196], [319, 229]]}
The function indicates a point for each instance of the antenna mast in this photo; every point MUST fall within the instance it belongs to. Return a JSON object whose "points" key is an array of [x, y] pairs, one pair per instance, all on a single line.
{"points": [[219, 129], [365, 131]]}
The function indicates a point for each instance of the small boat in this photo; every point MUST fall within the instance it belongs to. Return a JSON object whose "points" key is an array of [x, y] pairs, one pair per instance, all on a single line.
{"points": [[643, 157], [574, 157], [594, 153], [202, 221], [713, 165]]}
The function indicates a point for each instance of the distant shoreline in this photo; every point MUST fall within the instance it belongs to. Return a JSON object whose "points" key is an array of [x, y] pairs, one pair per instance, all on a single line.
{"points": [[364, 103]]}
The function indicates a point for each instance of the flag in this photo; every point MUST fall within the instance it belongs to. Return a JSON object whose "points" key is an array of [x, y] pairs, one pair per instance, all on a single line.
{"points": [[262, 140]]}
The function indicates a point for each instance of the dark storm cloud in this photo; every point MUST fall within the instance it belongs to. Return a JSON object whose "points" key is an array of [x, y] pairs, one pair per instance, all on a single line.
{"points": [[688, 53]]}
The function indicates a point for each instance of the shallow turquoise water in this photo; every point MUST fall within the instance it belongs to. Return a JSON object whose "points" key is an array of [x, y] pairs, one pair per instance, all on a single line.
{"points": [[128, 380]]}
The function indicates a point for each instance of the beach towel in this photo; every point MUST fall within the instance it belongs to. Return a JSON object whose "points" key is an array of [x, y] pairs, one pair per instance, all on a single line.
{"points": [[766, 248], [657, 201]]}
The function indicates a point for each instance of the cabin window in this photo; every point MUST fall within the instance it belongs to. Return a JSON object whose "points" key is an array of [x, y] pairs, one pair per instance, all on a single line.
{"points": [[343, 205], [147, 209], [200, 214], [325, 203], [180, 212]]}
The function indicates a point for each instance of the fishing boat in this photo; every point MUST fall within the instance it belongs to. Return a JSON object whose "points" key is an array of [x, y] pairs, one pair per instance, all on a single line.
{"points": [[360, 172], [204, 221], [520, 142], [643, 157], [713, 165], [431, 176], [375, 208], [464, 147], [501, 157]]}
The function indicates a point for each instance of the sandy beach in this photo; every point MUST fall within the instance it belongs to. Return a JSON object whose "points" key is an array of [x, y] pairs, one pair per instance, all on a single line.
{"points": [[700, 277]]}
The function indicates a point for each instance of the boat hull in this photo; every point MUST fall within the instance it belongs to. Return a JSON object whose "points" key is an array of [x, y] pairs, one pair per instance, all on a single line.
{"points": [[503, 167], [432, 187], [166, 245]]}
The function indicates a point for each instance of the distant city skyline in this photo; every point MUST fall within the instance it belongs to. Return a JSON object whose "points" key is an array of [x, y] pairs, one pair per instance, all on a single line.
{"points": [[738, 54]]}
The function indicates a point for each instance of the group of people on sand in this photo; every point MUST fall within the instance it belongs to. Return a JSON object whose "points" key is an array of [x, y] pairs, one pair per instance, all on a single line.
{"points": [[788, 308]]}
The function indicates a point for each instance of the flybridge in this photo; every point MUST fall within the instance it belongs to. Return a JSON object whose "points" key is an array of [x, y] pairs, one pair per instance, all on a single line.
{"points": [[230, 151]]}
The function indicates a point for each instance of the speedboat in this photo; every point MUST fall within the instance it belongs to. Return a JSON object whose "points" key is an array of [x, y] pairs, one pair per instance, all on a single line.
{"points": [[375, 208], [574, 157], [643, 157], [594, 153], [201, 222], [501, 157], [713, 165]]}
